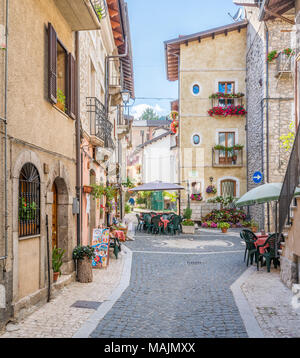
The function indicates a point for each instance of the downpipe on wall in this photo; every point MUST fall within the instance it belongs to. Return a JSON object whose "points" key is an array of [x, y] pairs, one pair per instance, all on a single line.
{"points": [[3, 258]]}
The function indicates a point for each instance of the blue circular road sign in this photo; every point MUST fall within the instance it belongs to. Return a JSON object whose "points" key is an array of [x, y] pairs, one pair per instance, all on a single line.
{"points": [[257, 177]]}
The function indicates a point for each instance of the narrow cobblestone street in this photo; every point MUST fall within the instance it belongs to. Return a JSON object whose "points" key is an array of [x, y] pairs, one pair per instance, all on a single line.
{"points": [[180, 287]]}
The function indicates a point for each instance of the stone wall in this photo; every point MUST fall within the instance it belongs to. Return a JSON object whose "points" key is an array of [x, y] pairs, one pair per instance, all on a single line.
{"points": [[267, 119]]}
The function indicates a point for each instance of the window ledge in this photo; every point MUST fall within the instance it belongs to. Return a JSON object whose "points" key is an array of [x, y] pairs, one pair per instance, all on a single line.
{"points": [[29, 237], [62, 112]]}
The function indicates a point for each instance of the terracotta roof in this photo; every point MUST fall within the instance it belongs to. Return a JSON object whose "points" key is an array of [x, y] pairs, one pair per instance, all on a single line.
{"points": [[172, 47], [119, 19]]}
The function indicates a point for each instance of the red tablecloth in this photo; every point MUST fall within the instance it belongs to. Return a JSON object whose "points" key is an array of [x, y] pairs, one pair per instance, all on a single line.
{"points": [[261, 239], [120, 235], [165, 222]]}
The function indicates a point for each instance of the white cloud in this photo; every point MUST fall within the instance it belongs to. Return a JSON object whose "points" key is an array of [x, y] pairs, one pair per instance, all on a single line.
{"points": [[139, 109]]}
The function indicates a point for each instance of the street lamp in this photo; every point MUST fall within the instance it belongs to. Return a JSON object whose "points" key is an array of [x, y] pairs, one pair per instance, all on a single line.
{"points": [[125, 96]]}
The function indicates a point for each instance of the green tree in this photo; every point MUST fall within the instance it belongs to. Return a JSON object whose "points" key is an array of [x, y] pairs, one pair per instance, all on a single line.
{"points": [[149, 114]]}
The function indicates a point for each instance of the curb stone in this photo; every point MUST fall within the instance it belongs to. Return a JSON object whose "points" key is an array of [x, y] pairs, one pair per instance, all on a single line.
{"points": [[90, 325], [252, 327]]}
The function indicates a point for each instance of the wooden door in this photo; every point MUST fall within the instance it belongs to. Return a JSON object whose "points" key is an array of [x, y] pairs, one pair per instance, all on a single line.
{"points": [[54, 217]]}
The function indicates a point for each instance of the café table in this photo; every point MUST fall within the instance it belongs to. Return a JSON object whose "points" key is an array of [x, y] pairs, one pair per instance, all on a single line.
{"points": [[261, 239]]}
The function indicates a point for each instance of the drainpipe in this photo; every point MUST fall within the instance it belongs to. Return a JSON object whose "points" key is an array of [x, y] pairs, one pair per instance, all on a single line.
{"points": [[78, 151], [267, 123], [5, 138]]}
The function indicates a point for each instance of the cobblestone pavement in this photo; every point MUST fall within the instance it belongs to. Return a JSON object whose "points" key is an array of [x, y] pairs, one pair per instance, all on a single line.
{"points": [[271, 303], [180, 287], [57, 319]]}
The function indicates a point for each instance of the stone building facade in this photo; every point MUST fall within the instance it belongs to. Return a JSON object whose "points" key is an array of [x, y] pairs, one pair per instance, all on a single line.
{"points": [[39, 108], [270, 104]]}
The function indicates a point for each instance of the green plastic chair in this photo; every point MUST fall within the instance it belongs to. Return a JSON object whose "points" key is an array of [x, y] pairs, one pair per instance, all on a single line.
{"points": [[175, 225], [250, 248], [157, 225], [148, 223], [270, 253], [140, 224]]}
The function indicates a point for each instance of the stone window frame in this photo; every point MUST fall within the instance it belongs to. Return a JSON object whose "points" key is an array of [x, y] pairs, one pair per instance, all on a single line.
{"points": [[237, 185], [192, 139]]}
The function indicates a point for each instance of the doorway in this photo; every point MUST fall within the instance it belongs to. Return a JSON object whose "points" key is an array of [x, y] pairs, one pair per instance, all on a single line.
{"points": [[54, 217]]}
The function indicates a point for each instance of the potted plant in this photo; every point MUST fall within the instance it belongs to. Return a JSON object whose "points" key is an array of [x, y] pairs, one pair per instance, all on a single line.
{"points": [[272, 55], [57, 255], [87, 189], [84, 255], [254, 226], [224, 227], [61, 100]]}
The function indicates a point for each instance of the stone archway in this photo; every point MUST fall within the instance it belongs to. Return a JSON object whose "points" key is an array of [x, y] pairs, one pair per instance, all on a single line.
{"points": [[62, 220]]}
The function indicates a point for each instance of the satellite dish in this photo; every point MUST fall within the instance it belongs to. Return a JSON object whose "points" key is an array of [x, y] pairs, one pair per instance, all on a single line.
{"points": [[238, 16]]}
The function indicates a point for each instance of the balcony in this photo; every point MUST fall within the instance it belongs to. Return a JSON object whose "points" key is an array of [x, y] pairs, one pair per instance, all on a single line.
{"points": [[284, 63], [79, 14], [100, 126], [226, 159]]}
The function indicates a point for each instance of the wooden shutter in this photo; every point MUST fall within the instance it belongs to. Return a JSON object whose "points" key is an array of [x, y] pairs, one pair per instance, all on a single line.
{"points": [[71, 87], [52, 64]]}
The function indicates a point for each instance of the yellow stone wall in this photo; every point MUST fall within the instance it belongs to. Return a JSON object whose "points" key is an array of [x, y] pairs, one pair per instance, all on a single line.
{"points": [[206, 63]]}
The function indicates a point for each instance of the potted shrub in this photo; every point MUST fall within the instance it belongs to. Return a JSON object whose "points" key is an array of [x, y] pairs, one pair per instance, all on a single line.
{"points": [[224, 227], [254, 226], [188, 226], [84, 255], [57, 255]]}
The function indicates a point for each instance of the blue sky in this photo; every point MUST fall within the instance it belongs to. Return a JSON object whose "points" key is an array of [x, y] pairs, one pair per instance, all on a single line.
{"points": [[154, 21]]}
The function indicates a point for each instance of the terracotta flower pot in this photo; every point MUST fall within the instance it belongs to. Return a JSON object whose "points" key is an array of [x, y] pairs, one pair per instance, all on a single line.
{"points": [[61, 106], [87, 189], [55, 276], [254, 229], [224, 230]]}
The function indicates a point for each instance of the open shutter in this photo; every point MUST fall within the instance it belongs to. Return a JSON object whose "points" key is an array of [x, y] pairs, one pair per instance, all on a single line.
{"points": [[52, 64], [71, 90]]}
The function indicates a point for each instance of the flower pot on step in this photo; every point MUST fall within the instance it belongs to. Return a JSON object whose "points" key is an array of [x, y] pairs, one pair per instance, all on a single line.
{"points": [[224, 230], [188, 229], [55, 276], [84, 270]]}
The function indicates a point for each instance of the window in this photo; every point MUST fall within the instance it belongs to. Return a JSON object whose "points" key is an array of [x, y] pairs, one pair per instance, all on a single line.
{"points": [[228, 188], [29, 201], [227, 139], [226, 88], [196, 188], [61, 75], [196, 89], [196, 140]]}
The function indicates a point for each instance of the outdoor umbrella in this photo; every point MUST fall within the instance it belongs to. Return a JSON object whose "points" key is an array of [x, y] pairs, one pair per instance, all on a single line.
{"points": [[262, 194], [157, 186]]}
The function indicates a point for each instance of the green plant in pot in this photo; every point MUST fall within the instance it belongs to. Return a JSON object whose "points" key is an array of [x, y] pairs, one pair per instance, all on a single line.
{"points": [[57, 261], [223, 226], [83, 255], [61, 100], [188, 225], [254, 225]]}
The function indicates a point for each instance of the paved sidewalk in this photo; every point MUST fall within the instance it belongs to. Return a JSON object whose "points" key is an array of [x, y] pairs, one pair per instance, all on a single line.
{"points": [[271, 302], [57, 319]]}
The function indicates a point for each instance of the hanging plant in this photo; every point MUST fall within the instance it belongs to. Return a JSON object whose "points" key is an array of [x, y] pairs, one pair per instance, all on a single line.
{"points": [[272, 55], [174, 115], [211, 189], [174, 126], [219, 95], [288, 51]]}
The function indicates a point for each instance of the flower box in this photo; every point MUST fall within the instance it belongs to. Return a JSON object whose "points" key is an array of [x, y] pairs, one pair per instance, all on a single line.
{"points": [[188, 229], [222, 112], [87, 189]]}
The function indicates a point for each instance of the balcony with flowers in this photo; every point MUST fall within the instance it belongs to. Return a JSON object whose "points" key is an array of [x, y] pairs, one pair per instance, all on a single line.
{"points": [[227, 111]]}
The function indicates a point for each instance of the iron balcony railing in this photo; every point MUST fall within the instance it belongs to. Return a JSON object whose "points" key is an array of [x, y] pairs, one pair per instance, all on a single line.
{"points": [[285, 63], [291, 181], [221, 158], [100, 126]]}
